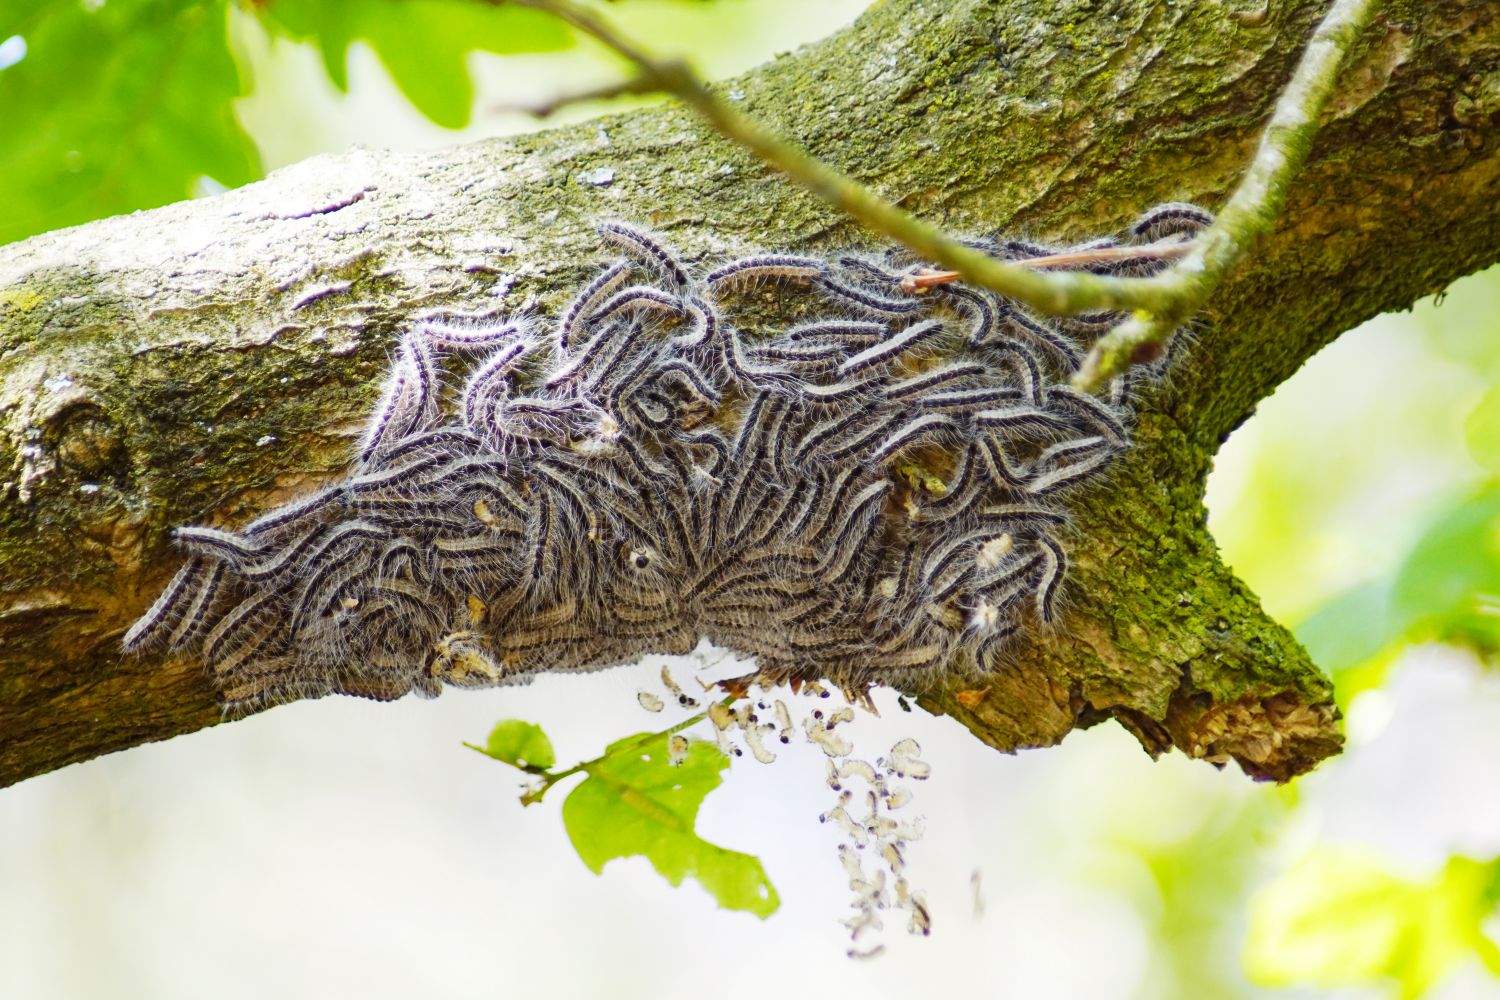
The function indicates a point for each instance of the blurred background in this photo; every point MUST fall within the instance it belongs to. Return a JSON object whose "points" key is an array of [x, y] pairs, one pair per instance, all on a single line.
{"points": [[345, 848]]}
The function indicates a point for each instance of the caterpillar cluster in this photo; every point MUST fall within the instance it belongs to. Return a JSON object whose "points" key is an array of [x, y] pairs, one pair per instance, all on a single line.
{"points": [[866, 487]]}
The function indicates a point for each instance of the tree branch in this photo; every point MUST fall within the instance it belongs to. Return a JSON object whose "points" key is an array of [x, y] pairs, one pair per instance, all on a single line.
{"points": [[206, 361], [549, 106]]}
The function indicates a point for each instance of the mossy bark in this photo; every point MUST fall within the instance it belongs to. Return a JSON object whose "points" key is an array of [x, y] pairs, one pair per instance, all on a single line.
{"points": [[203, 361]]}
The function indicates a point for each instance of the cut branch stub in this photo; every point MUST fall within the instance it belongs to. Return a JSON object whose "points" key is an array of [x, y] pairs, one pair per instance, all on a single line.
{"points": [[1162, 637]]}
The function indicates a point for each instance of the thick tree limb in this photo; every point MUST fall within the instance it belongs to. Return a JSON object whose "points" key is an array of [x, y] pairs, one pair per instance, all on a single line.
{"points": [[201, 362]]}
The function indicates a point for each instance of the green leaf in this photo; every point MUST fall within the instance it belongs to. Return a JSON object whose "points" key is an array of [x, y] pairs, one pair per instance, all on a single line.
{"points": [[115, 106], [635, 802], [522, 744], [1449, 587], [1350, 629], [1482, 429], [1340, 918], [423, 43], [1353, 638]]}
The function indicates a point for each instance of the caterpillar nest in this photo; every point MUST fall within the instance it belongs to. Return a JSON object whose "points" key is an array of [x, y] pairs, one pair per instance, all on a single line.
{"points": [[867, 487]]}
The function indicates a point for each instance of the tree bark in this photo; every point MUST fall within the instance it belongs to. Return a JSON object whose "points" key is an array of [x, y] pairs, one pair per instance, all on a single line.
{"points": [[204, 361]]}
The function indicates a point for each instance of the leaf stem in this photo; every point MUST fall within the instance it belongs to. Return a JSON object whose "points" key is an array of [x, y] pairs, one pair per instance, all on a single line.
{"points": [[536, 792]]}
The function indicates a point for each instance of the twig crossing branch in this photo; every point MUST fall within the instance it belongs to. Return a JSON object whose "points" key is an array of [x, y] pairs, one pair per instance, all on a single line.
{"points": [[1159, 304]]}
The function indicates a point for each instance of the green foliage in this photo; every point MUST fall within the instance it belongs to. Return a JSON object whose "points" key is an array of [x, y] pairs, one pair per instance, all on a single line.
{"points": [[1351, 629], [422, 43], [115, 106], [635, 801], [1483, 430], [1183, 904], [521, 744], [1340, 918], [1446, 589], [1443, 589], [129, 104]]}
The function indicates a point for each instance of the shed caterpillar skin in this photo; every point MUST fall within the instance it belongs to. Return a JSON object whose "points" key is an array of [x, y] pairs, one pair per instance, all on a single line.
{"points": [[655, 474]]}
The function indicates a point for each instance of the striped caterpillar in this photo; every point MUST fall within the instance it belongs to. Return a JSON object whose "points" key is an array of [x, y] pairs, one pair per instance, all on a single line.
{"points": [[868, 492]]}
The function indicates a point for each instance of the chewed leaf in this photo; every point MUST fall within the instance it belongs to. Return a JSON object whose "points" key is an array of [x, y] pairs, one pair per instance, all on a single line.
{"points": [[635, 802], [520, 743]]}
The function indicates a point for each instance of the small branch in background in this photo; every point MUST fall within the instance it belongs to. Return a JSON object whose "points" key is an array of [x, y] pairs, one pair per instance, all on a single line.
{"points": [[1158, 304], [633, 86], [1061, 293]]}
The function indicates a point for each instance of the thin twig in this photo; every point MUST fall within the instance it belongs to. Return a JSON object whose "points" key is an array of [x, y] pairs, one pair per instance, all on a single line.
{"points": [[1251, 211], [1062, 293], [922, 280], [1159, 304], [548, 106]]}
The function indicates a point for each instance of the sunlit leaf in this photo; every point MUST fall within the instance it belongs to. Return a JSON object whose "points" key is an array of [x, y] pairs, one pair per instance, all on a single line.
{"points": [[115, 106], [1483, 430], [1341, 918], [1449, 587], [635, 802], [520, 743], [423, 43]]}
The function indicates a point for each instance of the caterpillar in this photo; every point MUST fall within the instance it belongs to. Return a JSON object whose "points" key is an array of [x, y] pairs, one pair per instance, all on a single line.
{"points": [[857, 484]]}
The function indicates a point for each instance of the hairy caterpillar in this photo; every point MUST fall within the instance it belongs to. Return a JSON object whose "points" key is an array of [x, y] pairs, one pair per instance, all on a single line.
{"points": [[867, 491]]}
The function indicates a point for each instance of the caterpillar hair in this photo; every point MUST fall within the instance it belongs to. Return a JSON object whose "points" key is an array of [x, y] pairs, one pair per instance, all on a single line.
{"points": [[845, 480]]}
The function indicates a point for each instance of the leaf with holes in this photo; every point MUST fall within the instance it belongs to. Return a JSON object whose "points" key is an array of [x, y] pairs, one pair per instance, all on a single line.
{"points": [[520, 744], [635, 802]]}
